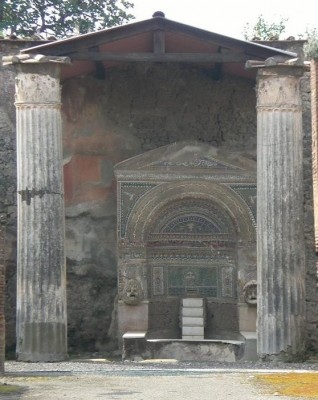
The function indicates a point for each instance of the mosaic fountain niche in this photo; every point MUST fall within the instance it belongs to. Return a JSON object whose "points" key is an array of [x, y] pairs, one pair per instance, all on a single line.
{"points": [[186, 233]]}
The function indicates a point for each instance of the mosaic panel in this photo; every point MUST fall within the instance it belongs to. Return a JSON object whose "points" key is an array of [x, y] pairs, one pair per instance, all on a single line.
{"points": [[191, 214], [250, 273], [191, 224], [183, 281], [247, 193], [190, 254], [227, 282], [130, 193], [158, 281]]}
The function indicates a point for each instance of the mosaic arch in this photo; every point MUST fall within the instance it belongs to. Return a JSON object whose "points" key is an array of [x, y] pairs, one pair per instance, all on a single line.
{"points": [[167, 194]]}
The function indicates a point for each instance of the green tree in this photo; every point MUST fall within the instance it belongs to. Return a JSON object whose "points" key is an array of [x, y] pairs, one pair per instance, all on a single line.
{"points": [[61, 18], [311, 46], [264, 30]]}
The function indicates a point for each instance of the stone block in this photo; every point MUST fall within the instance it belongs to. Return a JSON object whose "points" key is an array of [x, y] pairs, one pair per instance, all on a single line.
{"points": [[134, 345], [194, 349], [247, 318], [134, 335], [192, 312], [192, 330], [250, 350], [192, 302], [192, 337], [132, 318], [190, 321]]}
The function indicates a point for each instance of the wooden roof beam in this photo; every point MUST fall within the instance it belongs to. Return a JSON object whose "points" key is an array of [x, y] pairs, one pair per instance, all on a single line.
{"points": [[161, 57]]}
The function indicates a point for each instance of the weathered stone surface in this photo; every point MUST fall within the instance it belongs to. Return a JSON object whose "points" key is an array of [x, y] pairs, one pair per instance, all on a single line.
{"points": [[183, 350], [280, 230], [41, 278]]}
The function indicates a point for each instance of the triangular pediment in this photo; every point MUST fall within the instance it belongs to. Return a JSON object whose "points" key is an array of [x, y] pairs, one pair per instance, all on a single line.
{"points": [[187, 160], [157, 39]]}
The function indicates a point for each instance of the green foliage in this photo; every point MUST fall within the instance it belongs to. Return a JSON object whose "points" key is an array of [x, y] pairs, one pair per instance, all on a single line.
{"points": [[264, 30], [61, 18], [311, 47]]}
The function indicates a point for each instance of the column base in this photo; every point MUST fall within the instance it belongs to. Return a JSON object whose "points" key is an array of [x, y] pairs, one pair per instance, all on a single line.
{"points": [[42, 341], [43, 357], [284, 356]]}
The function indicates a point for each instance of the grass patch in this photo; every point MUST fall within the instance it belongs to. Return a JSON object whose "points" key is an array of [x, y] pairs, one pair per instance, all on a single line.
{"points": [[9, 389], [304, 385]]}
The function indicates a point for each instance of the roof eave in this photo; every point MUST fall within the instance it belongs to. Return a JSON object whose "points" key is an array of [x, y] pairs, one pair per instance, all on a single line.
{"points": [[134, 28]]}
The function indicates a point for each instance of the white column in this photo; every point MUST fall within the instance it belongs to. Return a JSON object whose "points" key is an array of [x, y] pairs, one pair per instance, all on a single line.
{"points": [[41, 277], [280, 233]]}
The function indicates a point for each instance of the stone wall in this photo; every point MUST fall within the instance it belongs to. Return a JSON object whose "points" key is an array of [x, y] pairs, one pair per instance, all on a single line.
{"points": [[2, 289], [135, 109]]}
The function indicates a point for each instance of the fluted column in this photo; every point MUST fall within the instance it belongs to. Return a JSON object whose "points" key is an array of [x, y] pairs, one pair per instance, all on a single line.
{"points": [[41, 280], [280, 233]]}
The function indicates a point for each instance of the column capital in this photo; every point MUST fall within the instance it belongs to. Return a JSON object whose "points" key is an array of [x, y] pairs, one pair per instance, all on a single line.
{"points": [[278, 70], [278, 85], [34, 59], [38, 80], [281, 63]]}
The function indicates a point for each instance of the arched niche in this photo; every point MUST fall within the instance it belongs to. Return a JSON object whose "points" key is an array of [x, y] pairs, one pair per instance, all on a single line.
{"points": [[186, 228]]}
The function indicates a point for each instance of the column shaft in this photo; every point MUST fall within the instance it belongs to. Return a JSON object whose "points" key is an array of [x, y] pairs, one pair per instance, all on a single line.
{"points": [[280, 233], [41, 281]]}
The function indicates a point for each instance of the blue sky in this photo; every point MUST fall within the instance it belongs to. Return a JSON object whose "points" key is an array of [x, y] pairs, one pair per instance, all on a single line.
{"points": [[229, 17]]}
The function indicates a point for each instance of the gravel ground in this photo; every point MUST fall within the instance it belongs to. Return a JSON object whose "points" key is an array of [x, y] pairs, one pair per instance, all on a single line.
{"points": [[156, 379], [102, 365]]}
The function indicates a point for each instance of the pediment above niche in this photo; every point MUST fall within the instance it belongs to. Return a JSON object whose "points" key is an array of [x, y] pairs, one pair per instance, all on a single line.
{"points": [[187, 160]]}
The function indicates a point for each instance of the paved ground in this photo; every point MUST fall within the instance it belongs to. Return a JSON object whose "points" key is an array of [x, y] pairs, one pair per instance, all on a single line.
{"points": [[99, 379]]}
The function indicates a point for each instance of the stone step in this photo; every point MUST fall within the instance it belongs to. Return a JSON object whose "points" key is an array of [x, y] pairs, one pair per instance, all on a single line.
{"points": [[192, 302], [192, 337], [192, 321], [192, 331], [192, 311]]}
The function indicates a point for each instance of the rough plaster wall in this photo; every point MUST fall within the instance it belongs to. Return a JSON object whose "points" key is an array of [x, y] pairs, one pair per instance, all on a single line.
{"points": [[135, 109], [171, 103]]}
